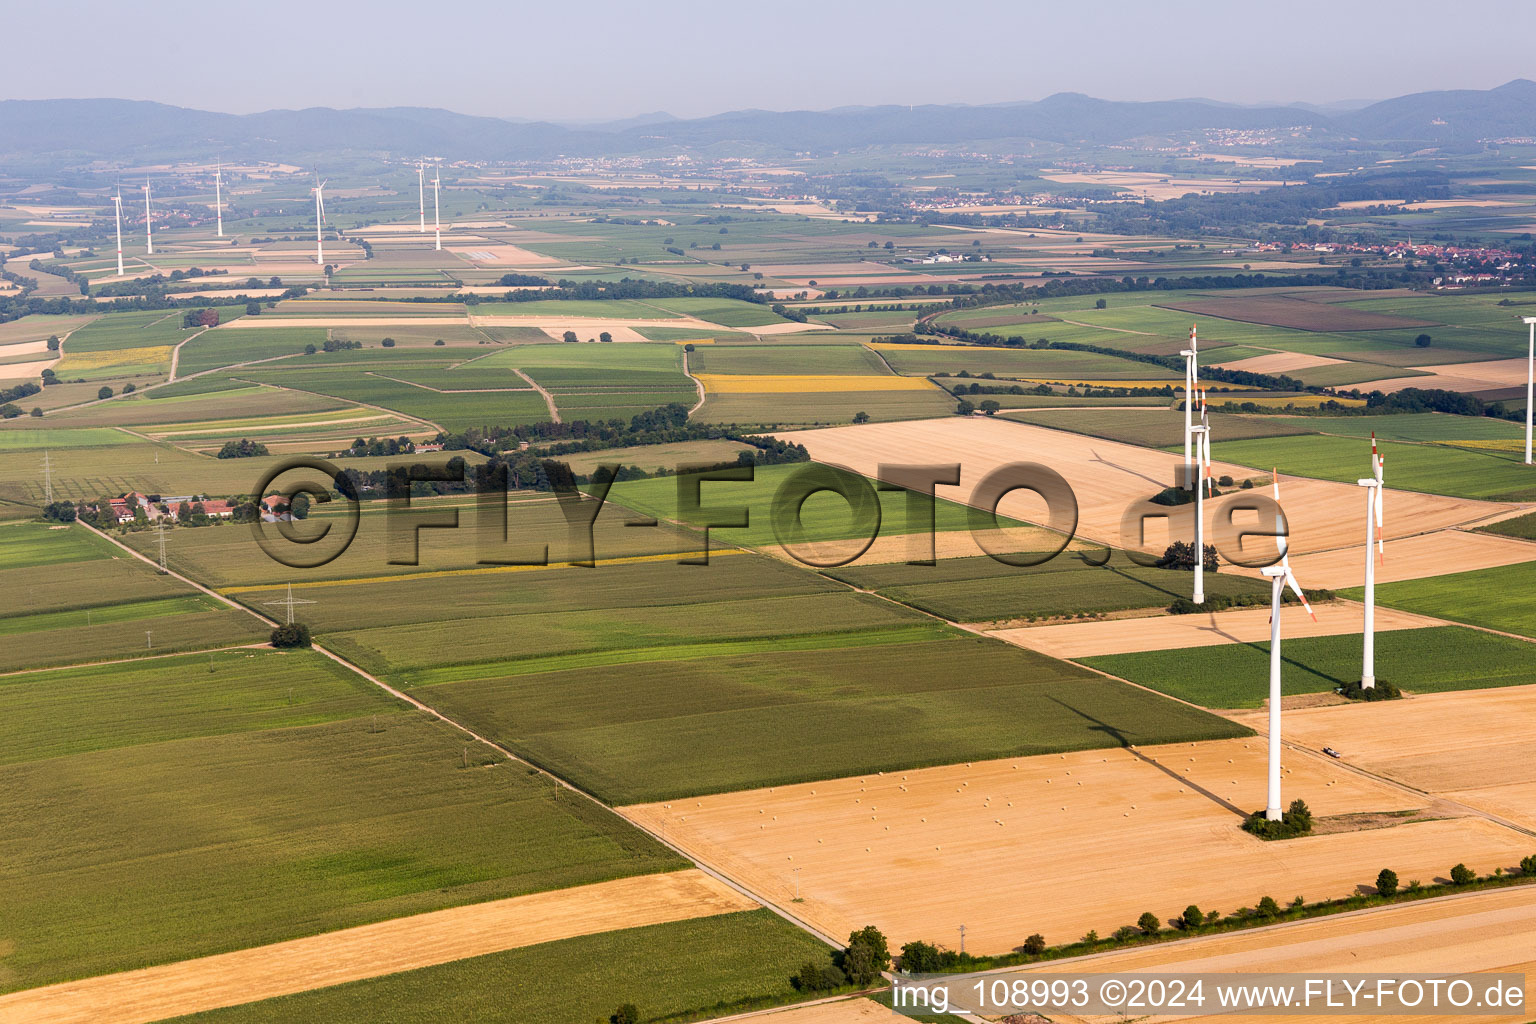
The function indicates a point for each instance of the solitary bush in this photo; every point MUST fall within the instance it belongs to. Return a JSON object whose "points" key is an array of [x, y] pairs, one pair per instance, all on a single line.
{"points": [[1383, 690], [1528, 865], [1386, 882], [626, 1014], [1267, 907], [819, 977], [1462, 875], [292, 634], [1422, 341], [866, 955], [1149, 923], [1034, 945], [388, 343], [1192, 918], [1296, 821], [105, 392], [1181, 555]]}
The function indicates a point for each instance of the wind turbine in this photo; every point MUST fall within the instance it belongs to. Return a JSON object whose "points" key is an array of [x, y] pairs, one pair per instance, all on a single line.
{"points": [[1280, 577], [117, 210], [1530, 385], [149, 229], [421, 193], [1202, 445], [319, 191], [1191, 378], [218, 194], [437, 222], [1374, 488]]}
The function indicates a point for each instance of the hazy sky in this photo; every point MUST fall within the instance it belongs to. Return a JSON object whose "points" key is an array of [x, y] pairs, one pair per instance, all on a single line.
{"points": [[588, 60]]}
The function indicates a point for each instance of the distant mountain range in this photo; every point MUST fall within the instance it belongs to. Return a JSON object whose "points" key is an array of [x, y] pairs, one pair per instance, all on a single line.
{"points": [[69, 133]]}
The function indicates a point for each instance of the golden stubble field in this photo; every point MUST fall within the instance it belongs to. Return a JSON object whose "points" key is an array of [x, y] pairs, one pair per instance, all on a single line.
{"points": [[1107, 477], [1060, 844]]}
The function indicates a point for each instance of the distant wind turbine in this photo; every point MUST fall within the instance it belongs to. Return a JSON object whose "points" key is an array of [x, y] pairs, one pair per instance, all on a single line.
{"points": [[1373, 485], [149, 229], [218, 194], [1191, 379], [421, 193], [437, 221], [117, 210], [319, 191], [1280, 577]]}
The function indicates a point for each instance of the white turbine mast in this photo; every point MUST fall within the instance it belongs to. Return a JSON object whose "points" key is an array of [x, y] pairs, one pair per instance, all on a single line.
{"points": [[1530, 385], [319, 191], [1280, 577], [218, 194], [1202, 445], [421, 193], [1373, 525], [117, 210], [437, 220], [149, 229], [1191, 379]]}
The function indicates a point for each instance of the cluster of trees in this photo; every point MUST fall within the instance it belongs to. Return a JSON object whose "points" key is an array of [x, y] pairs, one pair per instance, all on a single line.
{"points": [[1295, 821], [522, 280], [860, 963], [626, 288], [200, 318], [1181, 554], [242, 449], [381, 446]]}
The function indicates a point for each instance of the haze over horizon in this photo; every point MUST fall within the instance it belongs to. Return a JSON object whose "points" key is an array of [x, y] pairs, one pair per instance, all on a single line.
{"points": [[620, 61]]}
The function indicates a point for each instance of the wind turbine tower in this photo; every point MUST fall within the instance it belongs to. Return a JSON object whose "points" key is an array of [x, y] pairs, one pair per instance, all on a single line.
{"points": [[1280, 577], [421, 193], [149, 229], [1202, 444], [319, 191], [1191, 378], [1373, 486], [218, 195], [437, 220], [1530, 385], [117, 209]]}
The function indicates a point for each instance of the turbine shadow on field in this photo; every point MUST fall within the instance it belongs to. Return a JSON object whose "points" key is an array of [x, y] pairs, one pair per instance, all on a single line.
{"points": [[1105, 727], [1154, 481]]}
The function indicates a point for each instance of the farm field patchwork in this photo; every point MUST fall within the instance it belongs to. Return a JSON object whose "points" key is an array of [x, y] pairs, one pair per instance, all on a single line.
{"points": [[1160, 428], [796, 360]]}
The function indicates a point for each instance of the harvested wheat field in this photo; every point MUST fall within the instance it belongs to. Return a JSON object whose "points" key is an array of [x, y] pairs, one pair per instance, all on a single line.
{"points": [[1172, 632], [1488, 375], [1408, 558], [1472, 745], [1108, 477], [857, 1010], [256, 322], [1478, 932], [1279, 362], [995, 844], [618, 334], [404, 944]]}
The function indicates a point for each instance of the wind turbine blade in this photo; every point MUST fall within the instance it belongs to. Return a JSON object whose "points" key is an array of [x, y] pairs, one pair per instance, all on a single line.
{"points": [[1290, 581]]}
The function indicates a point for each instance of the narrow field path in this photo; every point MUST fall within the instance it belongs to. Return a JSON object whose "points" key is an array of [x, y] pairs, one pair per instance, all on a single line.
{"points": [[698, 385], [549, 399]]}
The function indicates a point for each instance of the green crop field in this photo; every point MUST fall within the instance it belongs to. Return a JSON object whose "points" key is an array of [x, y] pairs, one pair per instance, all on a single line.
{"points": [[1500, 598], [1418, 426], [355, 383], [1523, 527], [273, 797], [823, 516], [124, 629], [128, 330], [823, 407], [1436, 469], [786, 359], [400, 651], [579, 309], [231, 345], [1430, 660], [22, 436], [766, 714], [982, 589], [1158, 428], [562, 365], [725, 312], [1045, 364], [685, 970]]}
